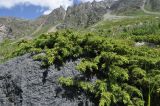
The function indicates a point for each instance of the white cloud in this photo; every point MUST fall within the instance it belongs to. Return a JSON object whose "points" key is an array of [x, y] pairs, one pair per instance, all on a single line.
{"points": [[50, 4], [47, 12], [43, 3]]}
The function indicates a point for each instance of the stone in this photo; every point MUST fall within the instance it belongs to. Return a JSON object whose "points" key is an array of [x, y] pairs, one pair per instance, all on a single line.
{"points": [[24, 83]]}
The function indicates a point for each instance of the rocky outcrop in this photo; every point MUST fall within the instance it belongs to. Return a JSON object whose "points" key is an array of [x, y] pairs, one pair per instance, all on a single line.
{"points": [[18, 27], [24, 83], [122, 6], [55, 17], [5, 32], [153, 5], [86, 14]]}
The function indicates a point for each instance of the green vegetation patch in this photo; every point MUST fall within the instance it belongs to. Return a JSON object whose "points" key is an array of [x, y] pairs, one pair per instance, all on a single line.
{"points": [[125, 75], [6, 49]]}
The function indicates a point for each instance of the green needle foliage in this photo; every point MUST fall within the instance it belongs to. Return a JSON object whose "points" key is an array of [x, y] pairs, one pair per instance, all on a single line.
{"points": [[126, 75]]}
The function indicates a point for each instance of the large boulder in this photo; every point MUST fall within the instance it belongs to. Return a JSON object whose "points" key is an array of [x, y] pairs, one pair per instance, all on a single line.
{"points": [[24, 83]]}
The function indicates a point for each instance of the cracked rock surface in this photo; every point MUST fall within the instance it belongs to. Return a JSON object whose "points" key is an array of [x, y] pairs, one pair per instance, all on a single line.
{"points": [[24, 83]]}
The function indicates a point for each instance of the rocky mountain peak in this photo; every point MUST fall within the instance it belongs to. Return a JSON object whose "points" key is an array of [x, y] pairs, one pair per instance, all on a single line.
{"points": [[56, 16], [86, 14]]}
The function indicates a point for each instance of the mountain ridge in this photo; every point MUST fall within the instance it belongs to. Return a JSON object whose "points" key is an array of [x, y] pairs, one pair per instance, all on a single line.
{"points": [[77, 16]]}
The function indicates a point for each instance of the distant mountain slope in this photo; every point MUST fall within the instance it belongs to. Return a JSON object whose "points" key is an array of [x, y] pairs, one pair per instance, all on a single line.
{"points": [[127, 7], [18, 27], [153, 5], [77, 16]]}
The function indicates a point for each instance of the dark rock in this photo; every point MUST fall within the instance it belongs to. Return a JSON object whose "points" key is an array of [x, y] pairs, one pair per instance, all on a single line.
{"points": [[24, 83]]}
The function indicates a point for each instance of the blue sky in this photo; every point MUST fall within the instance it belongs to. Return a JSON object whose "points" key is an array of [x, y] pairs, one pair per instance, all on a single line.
{"points": [[31, 9], [23, 11]]}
